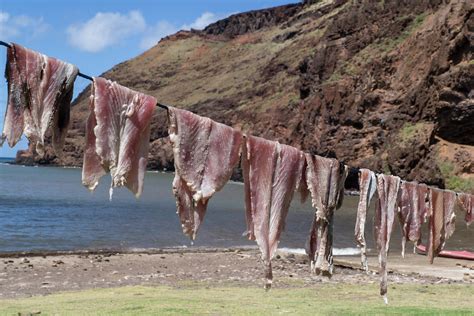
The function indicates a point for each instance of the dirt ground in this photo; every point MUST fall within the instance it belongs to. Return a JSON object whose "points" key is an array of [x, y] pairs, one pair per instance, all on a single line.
{"points": [[30, 275]]}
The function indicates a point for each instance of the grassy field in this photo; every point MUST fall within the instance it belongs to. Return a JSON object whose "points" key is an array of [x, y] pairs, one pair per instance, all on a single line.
{"points": [[193, 299]]}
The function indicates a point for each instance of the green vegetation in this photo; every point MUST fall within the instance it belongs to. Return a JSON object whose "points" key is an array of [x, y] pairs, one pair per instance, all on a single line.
{"points": [[453, 181], [327, 299], [385, 168], [353, 66], [293, 100], [415, 23], [388, 44], [409, 131]]}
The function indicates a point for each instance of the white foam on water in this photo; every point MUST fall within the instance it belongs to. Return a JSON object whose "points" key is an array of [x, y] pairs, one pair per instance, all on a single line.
{"points": [[336, 251]]}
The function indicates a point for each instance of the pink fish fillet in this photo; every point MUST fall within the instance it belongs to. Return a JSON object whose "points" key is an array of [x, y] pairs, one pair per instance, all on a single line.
{"points": [[420, 214], [442, 220], [367, 187], [205, 154], [40, 90], [120, 128], [436, 222], [387, 189], [466, 201], [92, 169], [272, 172], [325, 179], [411, 211]]}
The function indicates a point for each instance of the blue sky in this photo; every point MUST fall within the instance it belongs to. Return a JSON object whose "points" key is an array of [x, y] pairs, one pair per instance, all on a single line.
{"points": [[95, 35]]}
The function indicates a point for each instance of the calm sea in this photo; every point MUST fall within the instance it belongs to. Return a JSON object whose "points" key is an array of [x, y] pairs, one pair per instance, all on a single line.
{"points": [[47, 208]]}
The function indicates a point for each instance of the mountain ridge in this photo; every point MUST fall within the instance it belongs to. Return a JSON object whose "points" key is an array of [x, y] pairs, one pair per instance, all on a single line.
{"points": [[383, 85]]}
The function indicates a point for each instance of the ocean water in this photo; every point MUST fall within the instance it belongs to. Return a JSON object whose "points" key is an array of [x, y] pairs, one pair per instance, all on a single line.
{"points": [[47, 208]]}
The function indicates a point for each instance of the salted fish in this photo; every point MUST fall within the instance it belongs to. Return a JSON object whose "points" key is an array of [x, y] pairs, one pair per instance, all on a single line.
{"points": [[92, 169], [387, 190], [205, 154], [466, 201], [367, 187], [441, 220], [325, 179], [40, 90], [412, 211], [272, 173], [117, 136]]}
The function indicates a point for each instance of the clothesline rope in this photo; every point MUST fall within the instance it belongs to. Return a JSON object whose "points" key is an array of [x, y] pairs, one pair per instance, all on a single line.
{"points": [[80, 74]]}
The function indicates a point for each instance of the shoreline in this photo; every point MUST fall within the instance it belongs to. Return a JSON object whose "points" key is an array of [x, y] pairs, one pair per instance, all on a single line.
{"points": [[337, 252], [117, 251], [25, 276]]}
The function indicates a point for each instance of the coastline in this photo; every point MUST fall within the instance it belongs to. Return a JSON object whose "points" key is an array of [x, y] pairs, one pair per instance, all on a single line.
{"points": [[47, 273]]}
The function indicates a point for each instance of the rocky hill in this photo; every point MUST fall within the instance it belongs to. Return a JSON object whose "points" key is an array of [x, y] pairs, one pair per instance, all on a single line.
{"points": [[387, 85]]}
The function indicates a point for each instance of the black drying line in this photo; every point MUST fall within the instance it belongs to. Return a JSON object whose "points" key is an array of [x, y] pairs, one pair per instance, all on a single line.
{"points": [[80, 74]]}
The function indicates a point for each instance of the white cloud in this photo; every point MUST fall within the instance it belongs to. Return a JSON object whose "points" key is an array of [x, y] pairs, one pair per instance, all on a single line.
{"points": [[204, 20], [155, 33], [12, 27], [105, 29], [164, 28]]}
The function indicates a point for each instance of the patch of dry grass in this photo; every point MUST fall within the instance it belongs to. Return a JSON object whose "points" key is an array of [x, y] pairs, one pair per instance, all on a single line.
{"points": [[225, 300]]}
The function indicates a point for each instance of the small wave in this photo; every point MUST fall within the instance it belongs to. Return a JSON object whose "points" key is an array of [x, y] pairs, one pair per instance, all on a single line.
{"points": [[160, 171], [236, 182], [336, 251]]}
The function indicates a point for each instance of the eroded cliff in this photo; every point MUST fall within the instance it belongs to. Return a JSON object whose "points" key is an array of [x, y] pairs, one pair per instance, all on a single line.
{"points": [[387, 85]]}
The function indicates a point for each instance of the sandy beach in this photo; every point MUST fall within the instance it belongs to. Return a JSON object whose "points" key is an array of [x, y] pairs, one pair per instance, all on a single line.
{"points": [[31, 275]]}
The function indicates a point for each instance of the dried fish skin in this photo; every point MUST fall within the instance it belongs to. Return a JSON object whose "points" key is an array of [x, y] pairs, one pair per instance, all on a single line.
{"points": [[205, 154], [466, 201], [40, 90], [367, 185], [325, 179], [272, 173], [387, 190], [119, 129], [442, 220]]}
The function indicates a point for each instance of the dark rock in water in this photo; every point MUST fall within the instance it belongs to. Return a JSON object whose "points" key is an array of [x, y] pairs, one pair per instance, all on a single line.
{"points": [[385, 85]]}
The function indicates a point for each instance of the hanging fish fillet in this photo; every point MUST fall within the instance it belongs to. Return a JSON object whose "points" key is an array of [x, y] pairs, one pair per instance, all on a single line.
{"points": [[387, 190], [205, 153], [40, 90], [442, 220], [420, 214], [92, 169], [117, 136], [449, 200], [272, 172], [325, 179], [367, 186], [466, 201], [412, 211], [436, 221], [406, 195]]}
